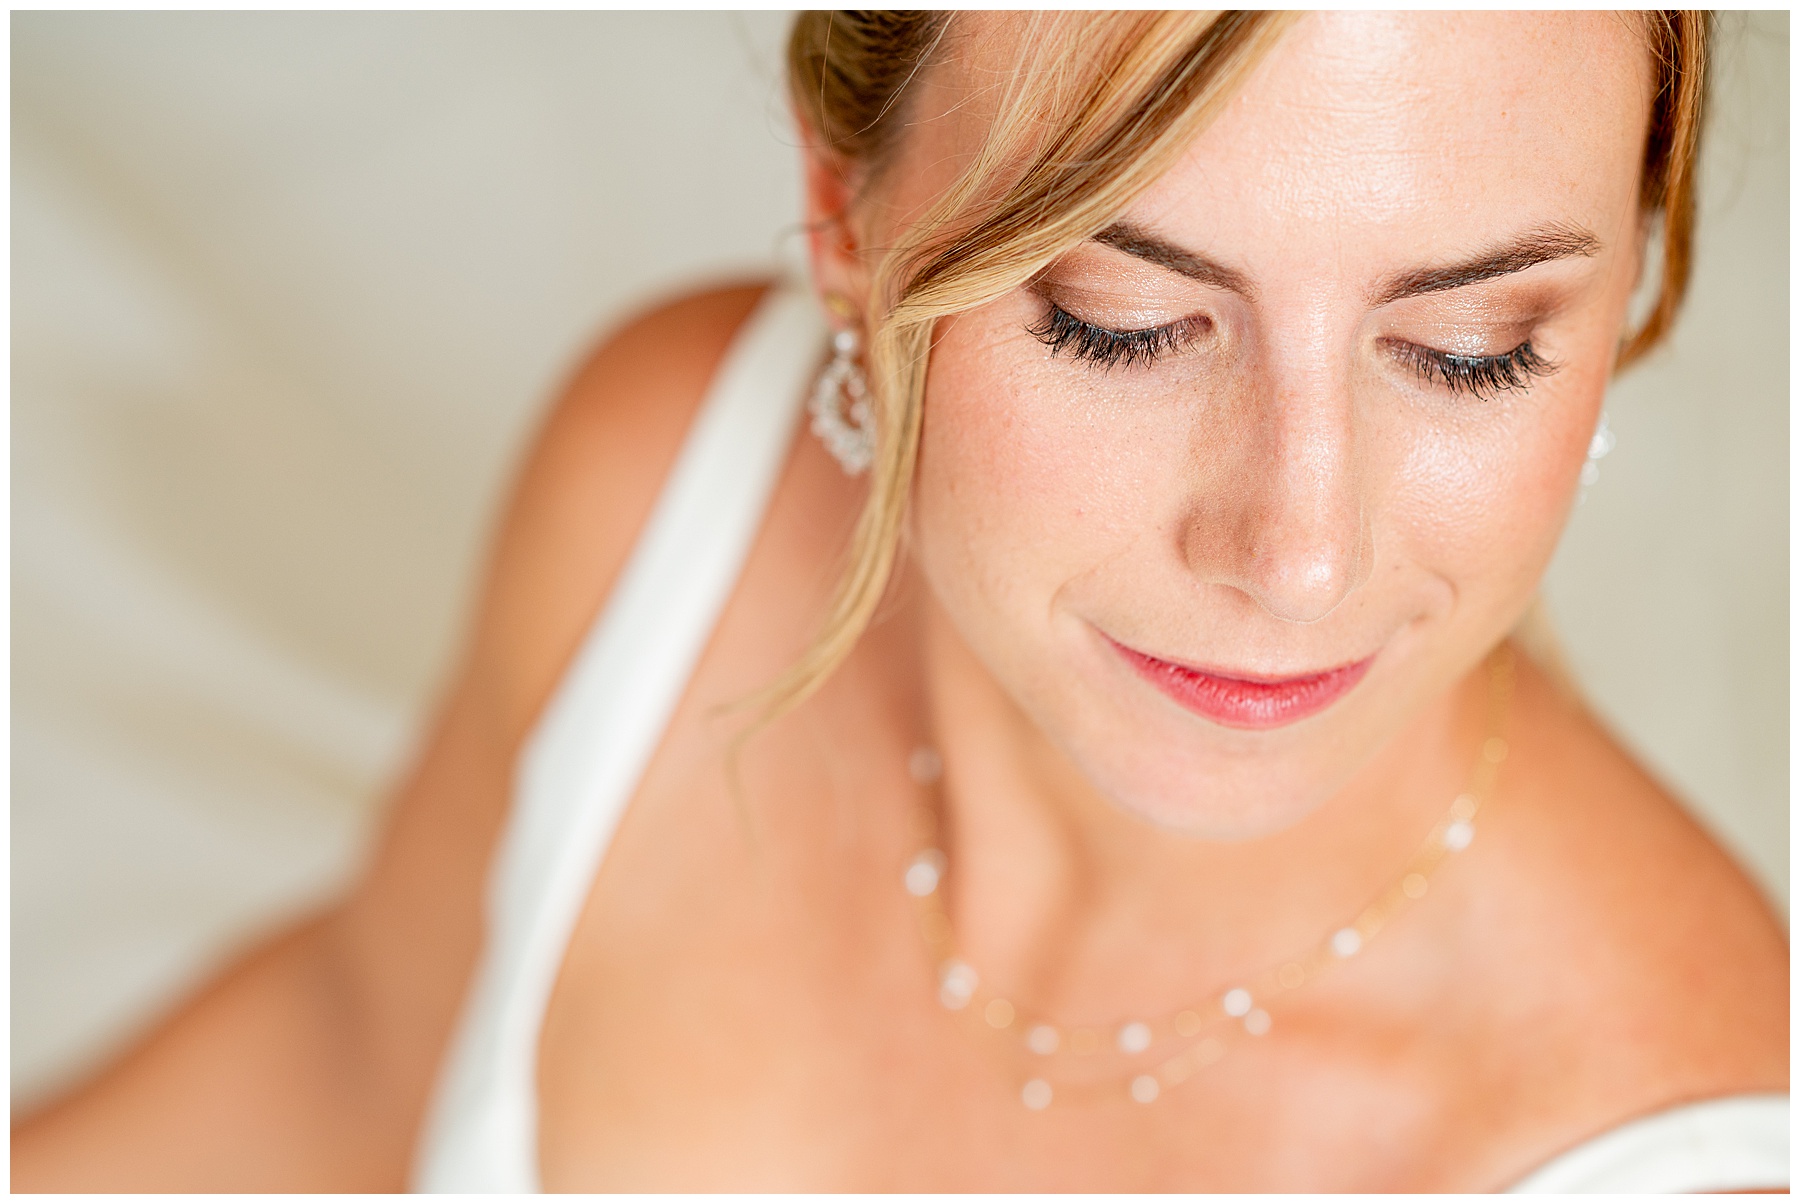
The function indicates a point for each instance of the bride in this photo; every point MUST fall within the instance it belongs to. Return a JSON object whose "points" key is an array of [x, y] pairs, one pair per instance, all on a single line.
{"points": [[1036, 709]]}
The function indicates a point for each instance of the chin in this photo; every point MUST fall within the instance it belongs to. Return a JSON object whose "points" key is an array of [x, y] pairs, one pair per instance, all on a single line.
{"points": [[1199, 793], [1154, 760]]}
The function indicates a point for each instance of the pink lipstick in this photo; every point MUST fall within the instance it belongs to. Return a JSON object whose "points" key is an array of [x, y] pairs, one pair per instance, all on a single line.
{"points": [[1248, 702]]}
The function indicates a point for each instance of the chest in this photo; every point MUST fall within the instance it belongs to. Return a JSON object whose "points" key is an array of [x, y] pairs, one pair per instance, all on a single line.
{"points": [[747, 1004]]}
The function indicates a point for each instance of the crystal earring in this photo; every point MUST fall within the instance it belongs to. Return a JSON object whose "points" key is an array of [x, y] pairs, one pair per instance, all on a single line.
{"points": [[1598, 446], [841, 415]]}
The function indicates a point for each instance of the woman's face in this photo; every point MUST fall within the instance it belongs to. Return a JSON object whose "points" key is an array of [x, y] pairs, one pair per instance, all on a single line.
{"points": [[1386, 287]]}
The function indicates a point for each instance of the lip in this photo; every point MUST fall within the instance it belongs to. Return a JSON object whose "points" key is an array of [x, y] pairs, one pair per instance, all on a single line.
{"points": [[1243, 701]]}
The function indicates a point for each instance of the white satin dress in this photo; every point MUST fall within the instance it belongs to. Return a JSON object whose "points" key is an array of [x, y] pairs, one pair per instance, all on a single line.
{"points": [[583, 761]]}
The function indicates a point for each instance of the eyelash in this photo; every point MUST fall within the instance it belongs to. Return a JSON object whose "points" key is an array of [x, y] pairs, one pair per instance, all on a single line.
{"points": [[1480, 376], [1062, 331]]}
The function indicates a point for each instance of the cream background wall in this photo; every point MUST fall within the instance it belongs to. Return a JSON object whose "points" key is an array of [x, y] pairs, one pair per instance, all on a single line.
{"points": [[290, 290]]}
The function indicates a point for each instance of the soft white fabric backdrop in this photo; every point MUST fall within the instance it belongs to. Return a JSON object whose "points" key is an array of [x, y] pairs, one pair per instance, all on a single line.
{"points": [[289, 291]]}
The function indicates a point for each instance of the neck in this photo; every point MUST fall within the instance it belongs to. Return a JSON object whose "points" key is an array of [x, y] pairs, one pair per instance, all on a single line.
{"points": [[1065, 900]]}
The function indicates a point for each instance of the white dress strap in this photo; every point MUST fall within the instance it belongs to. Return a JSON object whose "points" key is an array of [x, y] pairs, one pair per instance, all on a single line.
{"points": [[1736, 1143], [583, 761]]}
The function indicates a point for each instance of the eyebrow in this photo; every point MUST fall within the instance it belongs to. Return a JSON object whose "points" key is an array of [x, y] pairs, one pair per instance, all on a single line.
{"points": [[1138, 242], [1556, 240]]}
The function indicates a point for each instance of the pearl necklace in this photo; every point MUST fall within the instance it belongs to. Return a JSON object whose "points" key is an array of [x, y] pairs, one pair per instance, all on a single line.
{"points": [[1209, 1025]]}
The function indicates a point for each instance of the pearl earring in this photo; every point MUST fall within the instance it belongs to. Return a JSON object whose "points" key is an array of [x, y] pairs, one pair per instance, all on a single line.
{"points": [[841, 415], [1602, 442]]}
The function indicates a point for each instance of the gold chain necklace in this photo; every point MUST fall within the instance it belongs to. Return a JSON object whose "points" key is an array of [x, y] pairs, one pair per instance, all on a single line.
{"points": [[1206, 1026]]}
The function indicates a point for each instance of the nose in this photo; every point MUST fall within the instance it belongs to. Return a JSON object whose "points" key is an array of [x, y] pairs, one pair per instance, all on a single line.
{"points": [[1281, 515]]}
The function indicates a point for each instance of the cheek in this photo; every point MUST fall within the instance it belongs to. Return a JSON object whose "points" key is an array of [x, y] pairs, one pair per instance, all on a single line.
{"points": [[1485, 497], [1483, 502], [1017, 489], [987, 488], [1032, 485]]}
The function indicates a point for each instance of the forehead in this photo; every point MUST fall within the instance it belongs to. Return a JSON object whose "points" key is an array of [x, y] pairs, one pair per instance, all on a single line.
{"points": [[1445, 127]]}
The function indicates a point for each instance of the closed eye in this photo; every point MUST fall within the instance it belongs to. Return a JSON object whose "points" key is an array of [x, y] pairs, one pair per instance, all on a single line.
{"points": [[1063, 332], [1481, 376]]}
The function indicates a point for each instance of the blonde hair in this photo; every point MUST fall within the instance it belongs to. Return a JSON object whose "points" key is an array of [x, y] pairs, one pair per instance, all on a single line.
{"points": [[1090, 111]]}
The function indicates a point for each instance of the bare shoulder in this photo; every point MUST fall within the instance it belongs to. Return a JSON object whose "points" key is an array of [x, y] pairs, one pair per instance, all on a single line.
{"points": [[307, 1065], [407, 939], [588, 484], [1657, 972]]}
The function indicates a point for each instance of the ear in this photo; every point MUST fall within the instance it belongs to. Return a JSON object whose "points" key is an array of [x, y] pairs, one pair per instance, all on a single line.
{"points": [[833, 246]]}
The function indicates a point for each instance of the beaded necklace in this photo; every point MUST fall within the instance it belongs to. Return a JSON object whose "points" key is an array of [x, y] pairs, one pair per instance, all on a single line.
{"points": [[1209, 1026]]}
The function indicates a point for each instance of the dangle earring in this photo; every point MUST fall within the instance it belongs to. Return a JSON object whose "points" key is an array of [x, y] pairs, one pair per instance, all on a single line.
{"points": [[1602, 442], [842, 417]]}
